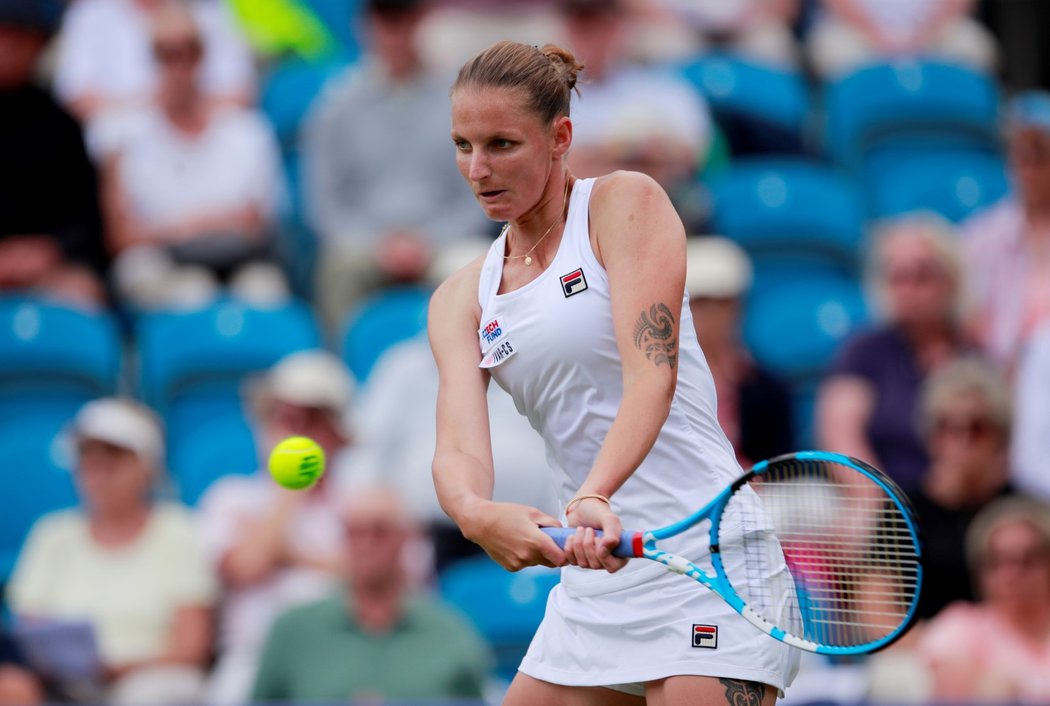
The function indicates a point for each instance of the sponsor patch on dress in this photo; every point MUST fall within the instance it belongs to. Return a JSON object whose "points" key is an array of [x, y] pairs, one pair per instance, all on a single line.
{"points": [[573, 283], [498, 354], [705, 636]]}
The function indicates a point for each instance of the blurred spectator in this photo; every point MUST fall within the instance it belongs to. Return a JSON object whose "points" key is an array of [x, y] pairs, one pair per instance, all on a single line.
{"points": [[965, 417], [1008, 246], [105, 55], [376, 640], [129, 566], [18, 685], [850, 33], [754, 406], [866, 407], [1031, 447], [381, 183], [630, 116], [998, 649], [274, 548], [191, 189], [50, 236], [759, 30], [396, 432]]}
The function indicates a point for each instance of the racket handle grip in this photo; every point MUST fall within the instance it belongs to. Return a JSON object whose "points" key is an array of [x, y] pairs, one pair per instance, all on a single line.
{"points": [[630, 542]]}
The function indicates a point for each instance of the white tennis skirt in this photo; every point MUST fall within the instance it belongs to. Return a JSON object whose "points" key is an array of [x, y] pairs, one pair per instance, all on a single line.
{"points": [[668, 625]]}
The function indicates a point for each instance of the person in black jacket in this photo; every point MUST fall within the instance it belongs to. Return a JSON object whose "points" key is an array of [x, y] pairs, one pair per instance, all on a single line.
{"points": [[50, 228]]}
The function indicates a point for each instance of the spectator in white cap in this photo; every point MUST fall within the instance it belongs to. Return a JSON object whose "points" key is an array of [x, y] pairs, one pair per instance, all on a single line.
{"points": [[128, 565], [754, 406], [275, 548]]}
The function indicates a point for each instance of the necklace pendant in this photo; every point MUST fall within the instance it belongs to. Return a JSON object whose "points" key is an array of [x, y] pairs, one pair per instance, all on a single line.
{"points": [[528, 259]]}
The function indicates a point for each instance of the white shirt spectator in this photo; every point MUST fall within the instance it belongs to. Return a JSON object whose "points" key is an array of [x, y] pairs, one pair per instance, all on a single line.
{"points": [[635, 99], [128, 594], [168, 175], [105, 50]]}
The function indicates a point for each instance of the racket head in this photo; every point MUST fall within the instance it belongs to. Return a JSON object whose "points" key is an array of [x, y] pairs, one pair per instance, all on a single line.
{"points": [[820, 550]]}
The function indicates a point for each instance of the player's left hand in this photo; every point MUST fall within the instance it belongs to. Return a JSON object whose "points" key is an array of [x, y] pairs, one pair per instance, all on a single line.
{"points": [[585, 548]]}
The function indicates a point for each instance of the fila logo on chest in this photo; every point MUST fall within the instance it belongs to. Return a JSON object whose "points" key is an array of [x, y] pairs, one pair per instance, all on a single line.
{"points": [[573, 283]]}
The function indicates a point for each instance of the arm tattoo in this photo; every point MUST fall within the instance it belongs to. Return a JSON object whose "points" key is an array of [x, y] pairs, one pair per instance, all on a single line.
{"points": [[743, 693], [654, 335]]}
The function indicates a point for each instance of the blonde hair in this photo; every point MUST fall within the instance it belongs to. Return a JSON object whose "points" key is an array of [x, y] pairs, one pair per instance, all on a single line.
{"points": [[967, 376], [1018, 508], [546, 76], [938, 234]]}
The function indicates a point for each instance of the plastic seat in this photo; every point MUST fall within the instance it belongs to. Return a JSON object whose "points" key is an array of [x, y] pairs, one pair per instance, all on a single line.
{"points": [[385, 318], [193, 365], [51, 350], [795, 326], [203, 453], [954, 185], [733, 85], [909, 107], [288, 93], [505, 607], [35, 462], [790, 211]]}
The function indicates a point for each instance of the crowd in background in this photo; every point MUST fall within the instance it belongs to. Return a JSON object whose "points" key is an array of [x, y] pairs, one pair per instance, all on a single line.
{"points": [[142, 171]]}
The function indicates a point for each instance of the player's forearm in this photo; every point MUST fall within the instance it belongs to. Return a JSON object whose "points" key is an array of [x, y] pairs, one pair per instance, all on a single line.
{"points": [[643, 411], [463, 486]]}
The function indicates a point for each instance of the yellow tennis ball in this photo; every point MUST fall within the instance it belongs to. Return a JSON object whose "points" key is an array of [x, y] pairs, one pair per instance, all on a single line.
{"points": [[297, 462]]}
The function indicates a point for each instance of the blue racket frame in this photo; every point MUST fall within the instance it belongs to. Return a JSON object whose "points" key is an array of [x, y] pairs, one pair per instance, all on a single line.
{"points": [[635, 544]]}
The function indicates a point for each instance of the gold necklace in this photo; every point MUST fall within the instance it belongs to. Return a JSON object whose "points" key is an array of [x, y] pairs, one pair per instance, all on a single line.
{"points": [[528, 256]]}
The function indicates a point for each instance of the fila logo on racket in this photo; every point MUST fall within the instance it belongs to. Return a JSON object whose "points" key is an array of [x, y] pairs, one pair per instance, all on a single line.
{"points": [[573, 283], [705, 636]]}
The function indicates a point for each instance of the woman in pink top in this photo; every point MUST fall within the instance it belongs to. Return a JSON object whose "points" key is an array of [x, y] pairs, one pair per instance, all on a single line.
{"points": [[999, 648]]}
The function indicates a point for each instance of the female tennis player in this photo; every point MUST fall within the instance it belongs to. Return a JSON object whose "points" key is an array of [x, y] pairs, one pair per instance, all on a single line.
{"points": [[576, 312]]}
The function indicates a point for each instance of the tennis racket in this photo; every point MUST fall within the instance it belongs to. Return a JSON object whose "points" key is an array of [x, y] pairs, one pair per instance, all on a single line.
{"points": [[819, 550]]}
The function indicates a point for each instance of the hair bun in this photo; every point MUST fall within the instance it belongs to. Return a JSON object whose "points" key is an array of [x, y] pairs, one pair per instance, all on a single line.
{"points": [[564, 63]]}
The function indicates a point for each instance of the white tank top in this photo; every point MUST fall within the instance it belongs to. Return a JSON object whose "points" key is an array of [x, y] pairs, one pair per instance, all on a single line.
{"points": [[551, 346]]}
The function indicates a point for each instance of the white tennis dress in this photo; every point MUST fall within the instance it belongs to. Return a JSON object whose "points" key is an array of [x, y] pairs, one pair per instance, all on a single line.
{"points": [[551, 346]]}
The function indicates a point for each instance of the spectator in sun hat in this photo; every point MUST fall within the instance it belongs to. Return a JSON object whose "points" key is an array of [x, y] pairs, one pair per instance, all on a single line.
{"points": [[50, 233], [1007, 246], [754, 405], [271, 547], [128, 565]]}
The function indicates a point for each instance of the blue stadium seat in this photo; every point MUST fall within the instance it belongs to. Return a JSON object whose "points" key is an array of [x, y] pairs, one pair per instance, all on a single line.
{"points": [[192, 365], [35, 464], [735, 85], [383, 319], [790, 211], [48, 349], [202, 453], [288, 92], [794, 326], [955, 185], [887, 110], [505, 607]]}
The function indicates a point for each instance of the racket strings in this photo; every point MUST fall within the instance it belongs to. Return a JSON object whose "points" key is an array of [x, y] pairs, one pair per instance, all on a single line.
{"points": [[822, 551]]}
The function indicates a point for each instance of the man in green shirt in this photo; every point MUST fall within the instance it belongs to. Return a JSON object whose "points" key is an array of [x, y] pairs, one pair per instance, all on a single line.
{"points": [[376, 639]]}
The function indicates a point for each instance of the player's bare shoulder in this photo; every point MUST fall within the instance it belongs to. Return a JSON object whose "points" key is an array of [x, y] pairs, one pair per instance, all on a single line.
{"points": [[625, 189], [456, 299], [630, 205]]}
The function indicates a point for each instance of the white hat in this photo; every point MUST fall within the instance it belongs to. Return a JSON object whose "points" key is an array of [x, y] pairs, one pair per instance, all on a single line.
{"points": [[123, 423], [716, 268], [314, 378]]}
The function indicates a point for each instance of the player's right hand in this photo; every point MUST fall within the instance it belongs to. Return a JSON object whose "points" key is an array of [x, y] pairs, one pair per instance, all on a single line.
{"points": [[510, 534]]}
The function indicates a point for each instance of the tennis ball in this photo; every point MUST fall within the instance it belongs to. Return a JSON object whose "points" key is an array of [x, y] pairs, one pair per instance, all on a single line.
{"points": [[297, 462]]}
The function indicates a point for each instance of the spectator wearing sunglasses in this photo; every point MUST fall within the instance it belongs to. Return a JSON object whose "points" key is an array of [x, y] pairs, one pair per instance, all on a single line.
{"points": [[997, 649], [965, 418], [866, 406]]}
